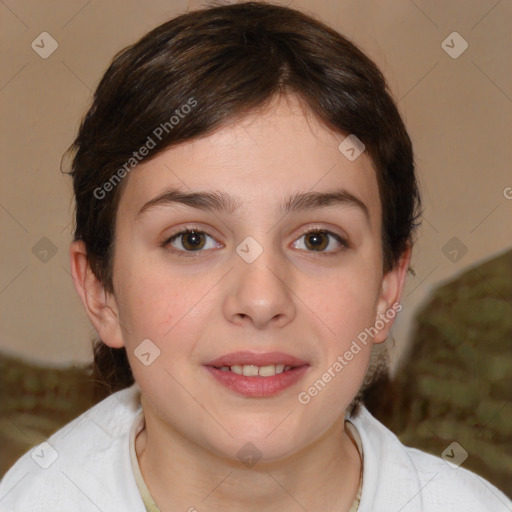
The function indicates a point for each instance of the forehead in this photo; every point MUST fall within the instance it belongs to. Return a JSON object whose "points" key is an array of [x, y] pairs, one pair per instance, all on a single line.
{"points": [[261, 159]]}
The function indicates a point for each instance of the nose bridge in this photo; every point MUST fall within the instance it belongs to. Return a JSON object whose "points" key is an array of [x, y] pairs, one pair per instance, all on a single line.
{"points": [[259, 290]]}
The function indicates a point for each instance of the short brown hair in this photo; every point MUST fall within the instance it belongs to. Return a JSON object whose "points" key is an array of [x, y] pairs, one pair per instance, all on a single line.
{"points": [[231, 59]]}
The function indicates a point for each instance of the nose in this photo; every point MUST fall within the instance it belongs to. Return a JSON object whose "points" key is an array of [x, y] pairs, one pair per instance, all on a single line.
{"points": [[260, 293]]}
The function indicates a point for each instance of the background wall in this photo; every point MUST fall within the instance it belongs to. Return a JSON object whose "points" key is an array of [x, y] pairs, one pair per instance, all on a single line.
{"points": [[457, 105]]}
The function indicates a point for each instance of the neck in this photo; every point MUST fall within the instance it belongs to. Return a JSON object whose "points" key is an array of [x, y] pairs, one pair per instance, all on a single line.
{"points": [[184, 476]]}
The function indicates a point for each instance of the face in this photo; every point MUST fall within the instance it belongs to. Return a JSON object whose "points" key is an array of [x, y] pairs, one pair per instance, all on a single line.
{"points": [[277, 267]]}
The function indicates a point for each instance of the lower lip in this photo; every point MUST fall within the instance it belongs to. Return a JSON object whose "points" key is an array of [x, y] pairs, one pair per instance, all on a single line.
{"points": [[258, 386]]}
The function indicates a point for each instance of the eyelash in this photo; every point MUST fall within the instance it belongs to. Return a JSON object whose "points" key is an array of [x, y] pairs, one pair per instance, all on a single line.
{"points": [[192, 254]]}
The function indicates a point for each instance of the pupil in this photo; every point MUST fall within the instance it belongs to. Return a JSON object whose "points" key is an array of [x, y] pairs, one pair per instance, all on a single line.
{"points": [[316, 240], [193, 240]]}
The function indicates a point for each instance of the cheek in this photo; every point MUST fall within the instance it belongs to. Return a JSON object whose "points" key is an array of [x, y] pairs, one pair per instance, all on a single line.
{"points": [[156, 307], [346, 300], [344, 308], [151, 301]]}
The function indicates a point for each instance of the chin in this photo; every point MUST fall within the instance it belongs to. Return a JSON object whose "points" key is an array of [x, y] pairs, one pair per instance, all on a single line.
{"points": [[249, 449]]}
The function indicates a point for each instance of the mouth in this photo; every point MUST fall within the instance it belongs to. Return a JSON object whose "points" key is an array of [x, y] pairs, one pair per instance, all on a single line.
{"points": [[258, 359], [251, 370], [257, 375]]}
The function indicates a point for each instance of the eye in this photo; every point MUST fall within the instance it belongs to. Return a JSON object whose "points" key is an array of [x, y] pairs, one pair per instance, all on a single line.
{"points": [[318, 240], [190, 240]]}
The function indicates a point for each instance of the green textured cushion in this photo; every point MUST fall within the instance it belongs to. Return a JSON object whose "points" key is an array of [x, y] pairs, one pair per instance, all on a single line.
{"points": [[456, 383], [35, 402]]}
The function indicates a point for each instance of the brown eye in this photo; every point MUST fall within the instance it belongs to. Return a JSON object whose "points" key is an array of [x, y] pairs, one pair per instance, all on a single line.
{"points": [[193, 241], [321, 241], [190, 241], [317, 240]]}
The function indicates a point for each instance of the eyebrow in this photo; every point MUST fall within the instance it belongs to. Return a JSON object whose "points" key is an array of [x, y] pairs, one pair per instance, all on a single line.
{"points": [[222, 202]]}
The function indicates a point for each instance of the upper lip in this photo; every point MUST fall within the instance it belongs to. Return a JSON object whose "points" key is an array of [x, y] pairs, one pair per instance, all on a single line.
{"points": [[257, 359]]}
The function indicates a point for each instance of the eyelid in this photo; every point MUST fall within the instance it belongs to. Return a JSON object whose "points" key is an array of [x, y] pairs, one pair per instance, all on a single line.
{"points": [[183, 231], [186, 228], [341, 239]]}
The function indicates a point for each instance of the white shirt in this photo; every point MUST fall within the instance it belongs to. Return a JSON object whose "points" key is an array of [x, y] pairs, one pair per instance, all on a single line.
{"points": [[85, 467]]}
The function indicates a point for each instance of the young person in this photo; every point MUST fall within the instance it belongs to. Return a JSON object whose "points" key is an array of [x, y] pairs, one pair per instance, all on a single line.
{"points": [[245, 210]]}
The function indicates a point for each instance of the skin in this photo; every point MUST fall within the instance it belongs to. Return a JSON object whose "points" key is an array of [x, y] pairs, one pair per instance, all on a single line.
{"points": [[291, 299]]}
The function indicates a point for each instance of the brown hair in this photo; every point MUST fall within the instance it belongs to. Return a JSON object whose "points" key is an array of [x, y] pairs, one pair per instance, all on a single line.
{"points": [[230, 59]]}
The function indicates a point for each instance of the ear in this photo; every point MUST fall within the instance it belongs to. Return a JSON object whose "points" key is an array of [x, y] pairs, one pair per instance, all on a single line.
{"points": [[100, 306], [388, 304]]}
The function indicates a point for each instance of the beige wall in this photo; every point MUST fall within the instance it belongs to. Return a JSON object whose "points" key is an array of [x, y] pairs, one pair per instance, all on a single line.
{"points": [[458, 112]]}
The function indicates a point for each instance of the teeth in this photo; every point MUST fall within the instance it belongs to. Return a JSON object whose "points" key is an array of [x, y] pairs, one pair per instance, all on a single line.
{"points": [[251, 370], [268, 371], [237, 369]]}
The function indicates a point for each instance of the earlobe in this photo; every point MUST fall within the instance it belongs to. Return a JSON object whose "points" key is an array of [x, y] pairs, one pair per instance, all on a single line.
{"points": [[101, 307], [391, 293]]}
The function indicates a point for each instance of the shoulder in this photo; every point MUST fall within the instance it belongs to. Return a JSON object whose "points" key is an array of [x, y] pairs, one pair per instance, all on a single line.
{"points": [[397, 477], [84, 464]]}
